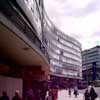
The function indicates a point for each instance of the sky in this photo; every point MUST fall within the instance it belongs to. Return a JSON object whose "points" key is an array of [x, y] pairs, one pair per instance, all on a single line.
{"points": [[77, 18]]}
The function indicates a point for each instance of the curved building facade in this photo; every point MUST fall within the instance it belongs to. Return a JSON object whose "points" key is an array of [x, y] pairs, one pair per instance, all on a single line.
{"points": [[64, 52]]}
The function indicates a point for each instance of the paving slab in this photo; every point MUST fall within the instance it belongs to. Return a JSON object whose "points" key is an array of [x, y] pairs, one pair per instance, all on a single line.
{"points": [[63, 95]]}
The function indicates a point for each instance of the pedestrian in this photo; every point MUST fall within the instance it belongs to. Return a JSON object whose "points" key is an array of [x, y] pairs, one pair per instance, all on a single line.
{"points": [[69, 92], [93, 94], [49, 95], [75, 92], [30, 94], [44, 89], [17, 96], [87, 95], [55, 93], [4, 96]]}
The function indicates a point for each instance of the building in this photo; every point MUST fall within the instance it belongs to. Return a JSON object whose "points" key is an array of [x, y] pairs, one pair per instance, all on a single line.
{"points": [[91, 64], [32, 47], [64, 53], [24, 61]]}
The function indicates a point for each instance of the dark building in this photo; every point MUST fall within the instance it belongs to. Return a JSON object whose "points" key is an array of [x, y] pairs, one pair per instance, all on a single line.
{"points": [[91, 64]]}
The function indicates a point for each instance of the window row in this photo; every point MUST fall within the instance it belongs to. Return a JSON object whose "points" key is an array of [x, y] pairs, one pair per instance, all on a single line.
{"points": [[66, 72], [66, 37], [58, 40], [64, 48], [66, 54], [64, 58]]}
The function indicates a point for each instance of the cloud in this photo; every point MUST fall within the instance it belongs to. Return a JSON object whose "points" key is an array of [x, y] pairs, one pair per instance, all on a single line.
{"points": [[77, 18], [82, 8]]}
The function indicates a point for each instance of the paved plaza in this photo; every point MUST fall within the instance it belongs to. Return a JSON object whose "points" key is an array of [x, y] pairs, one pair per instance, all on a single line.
{"points": [[63, 95]]}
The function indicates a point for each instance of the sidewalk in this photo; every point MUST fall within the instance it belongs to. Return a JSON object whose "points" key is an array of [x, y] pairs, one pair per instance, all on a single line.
{"points": [[63, 95]]}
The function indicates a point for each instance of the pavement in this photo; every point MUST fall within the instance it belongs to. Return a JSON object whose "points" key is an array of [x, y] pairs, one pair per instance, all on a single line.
{"points": [[97, 90], [63, 95]]}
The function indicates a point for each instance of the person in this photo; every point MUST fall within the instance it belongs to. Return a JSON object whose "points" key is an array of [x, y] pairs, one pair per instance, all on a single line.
{"points": [[69, 91], [44, 89], [93, 94], [75, 91], [87, 95], [17, 96], [4, 96], [30, 94], [55, 93], [49, 95]]}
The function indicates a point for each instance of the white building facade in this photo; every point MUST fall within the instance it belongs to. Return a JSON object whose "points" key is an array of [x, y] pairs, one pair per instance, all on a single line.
{"points": [[64, 51]]}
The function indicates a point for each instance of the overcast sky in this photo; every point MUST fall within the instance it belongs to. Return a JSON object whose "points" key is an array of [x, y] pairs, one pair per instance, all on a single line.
{"points": [[77, 18]]}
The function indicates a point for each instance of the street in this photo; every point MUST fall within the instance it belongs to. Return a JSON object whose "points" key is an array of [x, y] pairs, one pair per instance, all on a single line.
{"points": [[63, 95], [97, 89]]}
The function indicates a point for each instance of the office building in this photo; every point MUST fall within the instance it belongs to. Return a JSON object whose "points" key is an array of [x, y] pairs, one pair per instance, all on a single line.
{"points": [[64, 53], [91, 64]]}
